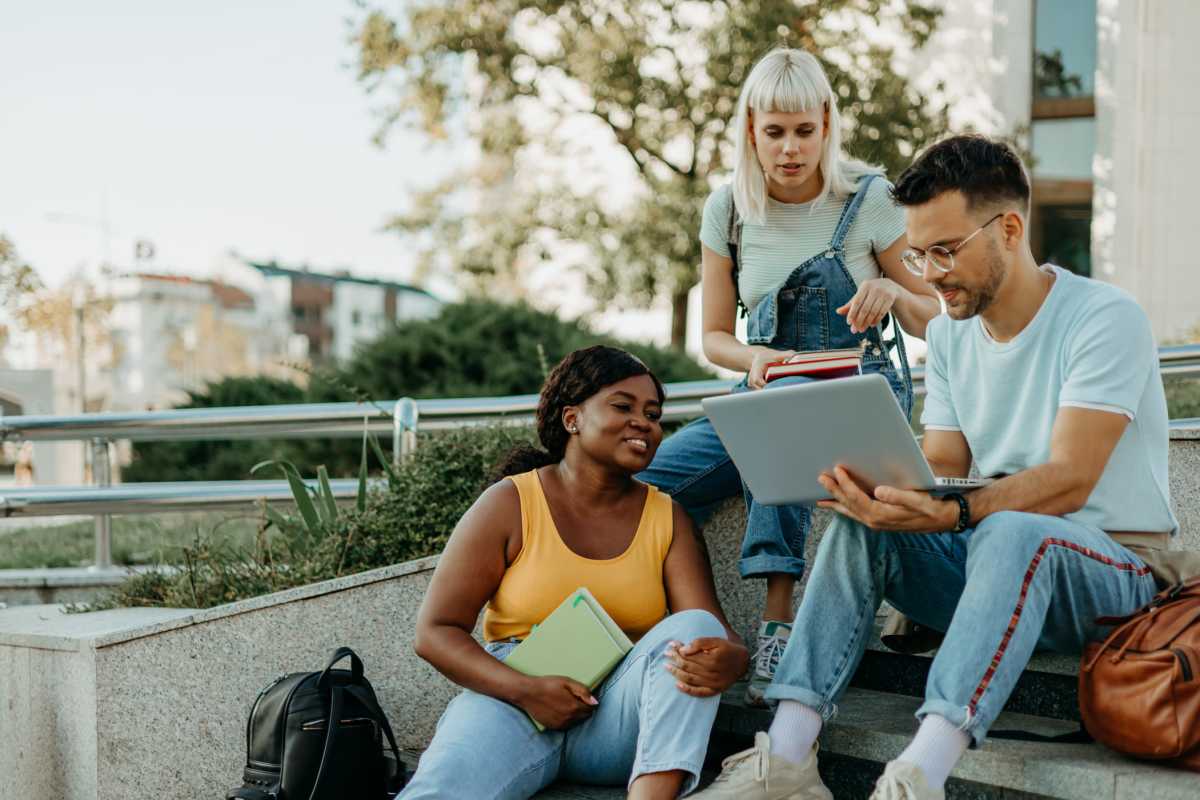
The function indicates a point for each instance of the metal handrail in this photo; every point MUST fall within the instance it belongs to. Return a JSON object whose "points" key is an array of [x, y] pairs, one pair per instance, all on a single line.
{"points": [[340, 420], [152, 498], [401, 417], [309, 420]]}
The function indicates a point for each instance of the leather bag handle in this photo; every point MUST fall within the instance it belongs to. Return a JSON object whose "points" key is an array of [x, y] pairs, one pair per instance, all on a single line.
{"points": [[356, 666]]}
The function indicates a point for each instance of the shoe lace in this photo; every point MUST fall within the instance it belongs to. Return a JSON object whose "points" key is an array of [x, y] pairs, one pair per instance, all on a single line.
{"points": [[755, 756], [766, 656]]}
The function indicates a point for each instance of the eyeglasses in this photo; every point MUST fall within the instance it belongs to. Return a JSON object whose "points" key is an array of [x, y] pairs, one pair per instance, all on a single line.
{"points": [[937, 256]]}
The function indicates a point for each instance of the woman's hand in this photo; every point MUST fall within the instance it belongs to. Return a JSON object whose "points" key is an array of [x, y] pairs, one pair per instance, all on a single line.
{"points": [[756, 375], [707, 666], [874, 299], [557, 702]]}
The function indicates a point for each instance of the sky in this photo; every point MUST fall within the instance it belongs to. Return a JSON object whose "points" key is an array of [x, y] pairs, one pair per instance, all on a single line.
{"points": [[202, 128]]}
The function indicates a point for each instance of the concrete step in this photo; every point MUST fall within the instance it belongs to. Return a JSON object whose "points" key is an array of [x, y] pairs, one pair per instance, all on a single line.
{"points": [[873, 727], [1048, 687]]}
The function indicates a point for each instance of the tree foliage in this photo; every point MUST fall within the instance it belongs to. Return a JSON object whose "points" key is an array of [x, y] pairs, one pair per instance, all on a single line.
{"points": [[539, 83], [18, 281]]}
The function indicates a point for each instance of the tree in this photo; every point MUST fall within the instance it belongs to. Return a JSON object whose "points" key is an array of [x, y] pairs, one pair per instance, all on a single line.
{"points": [[477, 348], [539, 82], [71, 329], [18, 281]]}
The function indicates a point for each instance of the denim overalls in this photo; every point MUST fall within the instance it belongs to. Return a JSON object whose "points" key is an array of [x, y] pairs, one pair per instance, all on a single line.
{"points": [[692, 465]]}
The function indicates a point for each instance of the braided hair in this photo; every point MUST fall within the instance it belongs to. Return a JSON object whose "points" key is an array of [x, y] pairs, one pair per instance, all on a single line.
{"points": [[573, 380]]}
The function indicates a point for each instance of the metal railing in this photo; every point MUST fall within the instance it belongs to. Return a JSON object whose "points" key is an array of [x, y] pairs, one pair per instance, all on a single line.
{"points": [[401, 418]]}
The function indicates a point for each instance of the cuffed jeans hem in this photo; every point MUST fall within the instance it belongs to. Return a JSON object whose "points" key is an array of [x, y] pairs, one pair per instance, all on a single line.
{"points": [[762, 566], [779, 691], [691, 768], [957, 715]]}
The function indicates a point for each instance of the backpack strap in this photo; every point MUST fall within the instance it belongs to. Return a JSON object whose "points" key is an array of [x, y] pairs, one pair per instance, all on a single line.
{"points": [[331, 729], [733, 237], [356, 666], [400, 778]]}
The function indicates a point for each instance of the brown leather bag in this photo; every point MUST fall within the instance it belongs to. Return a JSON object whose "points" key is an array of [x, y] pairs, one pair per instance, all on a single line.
{"points": [[1139, 690]]}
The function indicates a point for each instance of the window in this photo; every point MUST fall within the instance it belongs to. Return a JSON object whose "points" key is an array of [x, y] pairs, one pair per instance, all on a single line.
{"points": [[356, 317], [1063, 131]]}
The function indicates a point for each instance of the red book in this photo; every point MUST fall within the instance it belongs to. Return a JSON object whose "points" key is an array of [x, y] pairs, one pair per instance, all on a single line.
{"points": [[818, 364]]}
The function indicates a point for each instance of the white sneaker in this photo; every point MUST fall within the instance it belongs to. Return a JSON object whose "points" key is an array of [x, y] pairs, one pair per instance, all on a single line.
{"points": [[772, 641], [902, 780], [755, 774]]}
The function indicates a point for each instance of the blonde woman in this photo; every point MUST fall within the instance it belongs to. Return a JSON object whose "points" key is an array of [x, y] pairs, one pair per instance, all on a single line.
{"points": [[808, 242]]}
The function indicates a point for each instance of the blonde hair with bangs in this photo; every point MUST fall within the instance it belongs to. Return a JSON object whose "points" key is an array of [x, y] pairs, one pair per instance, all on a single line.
{"points": [[788, 80]]}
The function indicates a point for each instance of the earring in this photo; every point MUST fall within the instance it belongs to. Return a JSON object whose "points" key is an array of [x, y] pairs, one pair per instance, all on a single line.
{"points": [[573, 429]]}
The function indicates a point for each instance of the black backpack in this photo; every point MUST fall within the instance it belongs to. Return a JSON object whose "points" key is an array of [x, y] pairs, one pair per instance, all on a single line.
{"points": [[319, 736]]}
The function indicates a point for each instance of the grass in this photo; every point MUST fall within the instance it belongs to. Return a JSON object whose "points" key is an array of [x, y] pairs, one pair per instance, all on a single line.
{"points": [[136, 539]]}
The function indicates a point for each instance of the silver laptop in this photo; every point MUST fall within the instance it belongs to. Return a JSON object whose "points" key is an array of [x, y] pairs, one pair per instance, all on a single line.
{"points": [[782, 439]]}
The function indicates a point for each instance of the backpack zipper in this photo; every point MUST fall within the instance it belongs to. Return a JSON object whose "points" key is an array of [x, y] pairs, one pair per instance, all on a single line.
{"points": [[1184, 665]]}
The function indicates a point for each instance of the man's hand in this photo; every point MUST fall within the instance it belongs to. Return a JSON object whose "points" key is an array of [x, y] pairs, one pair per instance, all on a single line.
{"points": [[891, 509], [707, 666]]}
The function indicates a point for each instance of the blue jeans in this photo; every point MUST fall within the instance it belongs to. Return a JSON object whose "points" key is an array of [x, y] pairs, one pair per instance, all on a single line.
{"points": [[692, 466], [1015, 583], [486, 749]]}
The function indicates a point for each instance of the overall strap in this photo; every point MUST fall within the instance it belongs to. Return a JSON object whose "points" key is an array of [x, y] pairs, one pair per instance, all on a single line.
{"points": [[734, 243], [850, 211]]}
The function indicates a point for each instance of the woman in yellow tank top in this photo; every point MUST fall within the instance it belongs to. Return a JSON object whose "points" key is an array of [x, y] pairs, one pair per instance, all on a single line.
{"points": [[568, 516]]}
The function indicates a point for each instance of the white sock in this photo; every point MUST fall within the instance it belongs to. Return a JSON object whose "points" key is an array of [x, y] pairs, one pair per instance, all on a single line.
{"points": [[938, 746], [794, 731]]}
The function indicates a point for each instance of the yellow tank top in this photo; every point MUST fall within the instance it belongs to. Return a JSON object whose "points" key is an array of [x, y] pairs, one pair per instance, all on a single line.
{"points": [[630, 586]]}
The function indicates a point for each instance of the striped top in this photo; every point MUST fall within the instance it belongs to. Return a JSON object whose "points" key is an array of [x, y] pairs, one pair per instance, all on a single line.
{"points": [[792, 235]]}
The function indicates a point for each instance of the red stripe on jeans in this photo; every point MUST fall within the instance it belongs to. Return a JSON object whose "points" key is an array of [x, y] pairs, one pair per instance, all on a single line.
{"points": [[1016, 615]]}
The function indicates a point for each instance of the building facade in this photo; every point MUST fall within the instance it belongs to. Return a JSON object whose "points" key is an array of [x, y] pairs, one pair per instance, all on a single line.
{"points": [[1103, 95], [335, 312]]}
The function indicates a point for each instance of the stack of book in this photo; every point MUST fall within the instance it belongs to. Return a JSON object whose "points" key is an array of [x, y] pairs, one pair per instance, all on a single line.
{"points": [[818, 364]]}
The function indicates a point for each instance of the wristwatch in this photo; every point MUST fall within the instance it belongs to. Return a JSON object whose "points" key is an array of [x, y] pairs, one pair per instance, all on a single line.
{"points": [[964, 511]]}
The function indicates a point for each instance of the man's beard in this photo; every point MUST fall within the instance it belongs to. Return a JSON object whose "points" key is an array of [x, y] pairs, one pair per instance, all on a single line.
{"points": [[979, 299]]}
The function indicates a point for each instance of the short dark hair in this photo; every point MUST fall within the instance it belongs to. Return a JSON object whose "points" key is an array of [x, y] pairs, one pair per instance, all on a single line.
{"points": [[987, 172], [577, 377]]}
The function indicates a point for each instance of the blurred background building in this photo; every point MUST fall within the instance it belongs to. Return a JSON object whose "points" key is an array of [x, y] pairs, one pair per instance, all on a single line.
{"points": [[1104, 92]]}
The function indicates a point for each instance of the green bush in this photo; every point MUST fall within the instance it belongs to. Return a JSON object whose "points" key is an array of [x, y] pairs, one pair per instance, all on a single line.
{"points": [[1183, 397], [412, 516]]}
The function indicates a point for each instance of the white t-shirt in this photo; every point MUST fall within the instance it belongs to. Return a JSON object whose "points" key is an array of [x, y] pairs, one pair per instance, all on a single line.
{"points": [[795, 232], [1089, 345]]}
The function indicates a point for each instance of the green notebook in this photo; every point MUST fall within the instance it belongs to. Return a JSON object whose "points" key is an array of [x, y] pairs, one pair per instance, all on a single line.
{"points": [[579, 640]]}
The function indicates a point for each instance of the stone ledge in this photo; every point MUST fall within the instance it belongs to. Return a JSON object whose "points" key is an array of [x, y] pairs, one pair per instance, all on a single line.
{"points": [[99, 703]]}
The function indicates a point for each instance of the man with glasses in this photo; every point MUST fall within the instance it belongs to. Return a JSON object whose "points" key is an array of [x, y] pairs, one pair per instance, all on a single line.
{"points": [[1034, 373]]}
